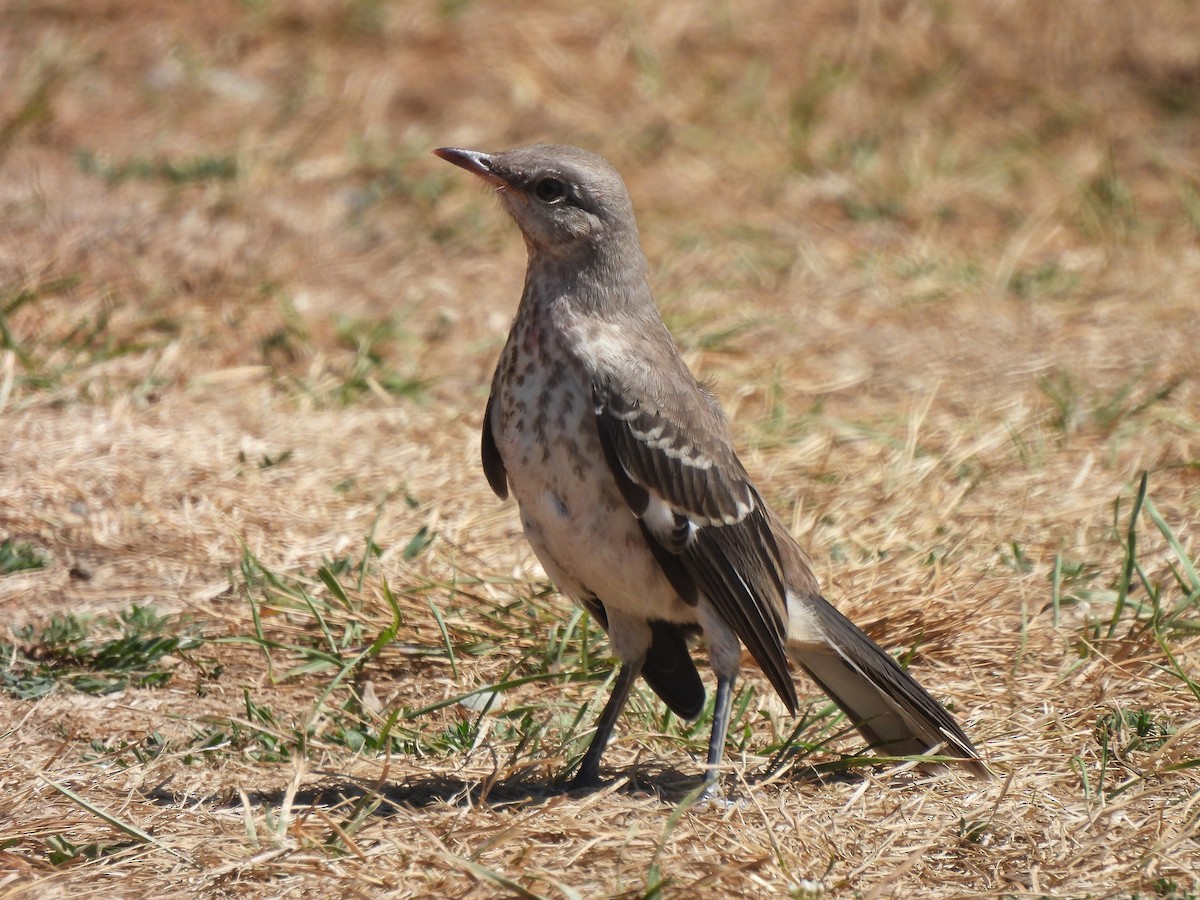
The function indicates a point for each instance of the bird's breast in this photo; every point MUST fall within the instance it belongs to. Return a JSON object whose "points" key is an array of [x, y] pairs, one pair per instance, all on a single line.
{"points": [[572, 512]]}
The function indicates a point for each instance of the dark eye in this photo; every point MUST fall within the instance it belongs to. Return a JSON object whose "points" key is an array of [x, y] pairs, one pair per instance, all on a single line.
{"points": [[550, 190]]}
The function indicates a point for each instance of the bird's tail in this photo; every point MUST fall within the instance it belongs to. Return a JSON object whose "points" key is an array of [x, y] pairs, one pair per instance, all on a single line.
{"points": [[885, 703]]}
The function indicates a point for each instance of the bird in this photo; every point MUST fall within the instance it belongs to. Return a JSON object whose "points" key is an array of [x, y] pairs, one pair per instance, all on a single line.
{"points": [[632, 495]]}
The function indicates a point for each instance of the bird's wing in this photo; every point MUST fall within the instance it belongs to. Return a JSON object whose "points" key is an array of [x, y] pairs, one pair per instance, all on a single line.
{"points": [[493, 464], [703, 519]]}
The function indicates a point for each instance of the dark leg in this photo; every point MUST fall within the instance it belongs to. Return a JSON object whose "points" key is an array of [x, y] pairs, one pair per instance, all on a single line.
{"points": [[589, 768], [720, 726]]}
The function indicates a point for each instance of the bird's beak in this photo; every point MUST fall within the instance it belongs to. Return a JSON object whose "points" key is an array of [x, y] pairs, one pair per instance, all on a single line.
{"points": [[474, 162]]}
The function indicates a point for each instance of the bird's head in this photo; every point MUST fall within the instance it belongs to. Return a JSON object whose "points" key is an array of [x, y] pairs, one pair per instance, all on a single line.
{"points": [[566, 200]]}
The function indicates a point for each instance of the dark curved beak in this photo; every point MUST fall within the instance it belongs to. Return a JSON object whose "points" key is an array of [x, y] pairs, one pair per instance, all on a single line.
{"points": [[473, 161]]}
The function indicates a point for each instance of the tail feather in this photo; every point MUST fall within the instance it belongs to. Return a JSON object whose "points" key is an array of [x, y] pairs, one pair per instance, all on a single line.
{"points": [[885, 703]]}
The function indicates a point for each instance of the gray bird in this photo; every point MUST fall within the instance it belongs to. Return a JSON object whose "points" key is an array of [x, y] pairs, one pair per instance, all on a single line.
{"points": [[630, 491]]}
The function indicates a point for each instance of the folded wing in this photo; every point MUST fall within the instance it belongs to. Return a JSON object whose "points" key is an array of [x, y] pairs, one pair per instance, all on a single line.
{"points": [[701, 516]]}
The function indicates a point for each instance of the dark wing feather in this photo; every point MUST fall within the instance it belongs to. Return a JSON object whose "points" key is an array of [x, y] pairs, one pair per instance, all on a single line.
{"points": [[692, 468], [493, 464], [718, 538], [734, 566]]}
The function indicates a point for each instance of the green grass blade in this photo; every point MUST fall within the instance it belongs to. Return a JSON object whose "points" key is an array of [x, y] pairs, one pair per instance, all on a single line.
{"points": [[334, 587], [441, 624], [1130, 555], [1193, 577], [490, 876], [131, 831]]}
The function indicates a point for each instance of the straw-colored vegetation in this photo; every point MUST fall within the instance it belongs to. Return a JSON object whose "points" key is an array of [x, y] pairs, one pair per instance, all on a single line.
{"points": [[267, 631]]}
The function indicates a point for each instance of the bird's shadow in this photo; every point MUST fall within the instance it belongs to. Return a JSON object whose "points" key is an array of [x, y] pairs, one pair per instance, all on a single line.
{"points": [[663, 783]]}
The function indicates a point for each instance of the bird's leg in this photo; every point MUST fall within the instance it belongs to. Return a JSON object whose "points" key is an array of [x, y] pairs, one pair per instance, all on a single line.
{"points": [[588, 774], [722, 705]]}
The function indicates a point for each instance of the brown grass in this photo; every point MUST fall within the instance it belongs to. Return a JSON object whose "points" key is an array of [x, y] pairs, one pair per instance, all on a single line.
{"points": [[941, 260]]}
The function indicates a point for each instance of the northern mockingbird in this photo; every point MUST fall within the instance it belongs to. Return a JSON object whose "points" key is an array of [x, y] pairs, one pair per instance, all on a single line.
{"points": [[631, 493]]}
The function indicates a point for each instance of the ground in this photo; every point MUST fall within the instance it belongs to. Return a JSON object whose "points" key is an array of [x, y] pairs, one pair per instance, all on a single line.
{"points": [[268, 632]]}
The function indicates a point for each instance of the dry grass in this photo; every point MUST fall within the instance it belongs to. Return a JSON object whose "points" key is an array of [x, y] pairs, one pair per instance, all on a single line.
{"points": [[942, 262]]}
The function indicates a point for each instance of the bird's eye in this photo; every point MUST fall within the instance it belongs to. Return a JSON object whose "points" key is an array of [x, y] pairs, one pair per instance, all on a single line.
{"points": [[550, 190]]}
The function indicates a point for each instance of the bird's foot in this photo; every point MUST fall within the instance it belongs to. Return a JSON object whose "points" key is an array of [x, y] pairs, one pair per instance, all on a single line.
{"points": [[712, 792], [585, 779], [717, 799], [710, 788]]}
